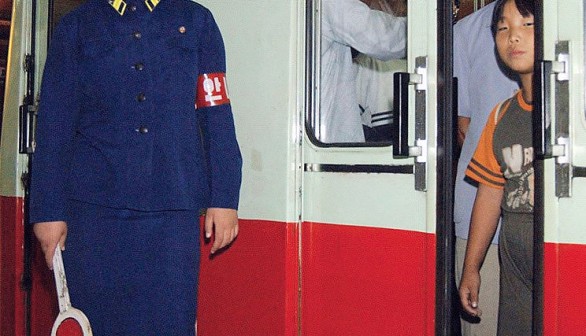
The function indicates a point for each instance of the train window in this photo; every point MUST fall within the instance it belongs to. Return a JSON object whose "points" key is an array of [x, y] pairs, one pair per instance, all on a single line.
{"points": [[5, 18], [358, 46]]}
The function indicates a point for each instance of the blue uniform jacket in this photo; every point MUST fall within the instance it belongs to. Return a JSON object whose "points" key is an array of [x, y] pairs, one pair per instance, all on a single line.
{"points": [[117, 123]]}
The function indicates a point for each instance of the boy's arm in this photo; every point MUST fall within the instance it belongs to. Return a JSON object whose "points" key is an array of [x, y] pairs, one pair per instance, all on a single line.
{"points": [[485, 215]]}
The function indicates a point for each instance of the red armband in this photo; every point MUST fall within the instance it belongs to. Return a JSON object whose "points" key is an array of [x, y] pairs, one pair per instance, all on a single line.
{"points": [[211, 90]]}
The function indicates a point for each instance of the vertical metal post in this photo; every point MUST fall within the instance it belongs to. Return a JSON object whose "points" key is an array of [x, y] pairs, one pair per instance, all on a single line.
{"points": [[539, 80], [445, 311], [28, 129]]}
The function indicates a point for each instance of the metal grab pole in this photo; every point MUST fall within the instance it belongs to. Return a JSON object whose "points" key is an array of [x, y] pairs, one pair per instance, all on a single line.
{"points": [[27, 121]]}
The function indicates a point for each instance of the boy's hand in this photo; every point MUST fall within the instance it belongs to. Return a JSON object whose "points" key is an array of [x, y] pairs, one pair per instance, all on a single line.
{"points": [[224, 224], [49, 235], [469, 288]]}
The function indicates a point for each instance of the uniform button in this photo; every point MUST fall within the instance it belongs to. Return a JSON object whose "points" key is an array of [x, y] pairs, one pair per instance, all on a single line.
{"points": [[133, 8], [141, 97], [139, 66], [142, 130], [137, 35]]}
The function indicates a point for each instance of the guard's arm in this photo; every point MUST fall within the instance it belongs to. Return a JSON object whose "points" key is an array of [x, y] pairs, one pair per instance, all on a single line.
{"points": [[49, 235], [222, 150], [56, 126]]}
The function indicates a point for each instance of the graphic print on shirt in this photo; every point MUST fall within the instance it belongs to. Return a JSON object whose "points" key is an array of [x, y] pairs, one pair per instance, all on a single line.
{"points": [[521, 194], [504, 156]]}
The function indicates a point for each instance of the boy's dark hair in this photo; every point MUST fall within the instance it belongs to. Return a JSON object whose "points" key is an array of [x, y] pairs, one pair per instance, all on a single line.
{"points": [[525, 7]]}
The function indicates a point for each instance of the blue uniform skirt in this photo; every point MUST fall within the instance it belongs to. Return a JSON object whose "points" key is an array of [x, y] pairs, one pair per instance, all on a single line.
{"points": [[133, 272]]}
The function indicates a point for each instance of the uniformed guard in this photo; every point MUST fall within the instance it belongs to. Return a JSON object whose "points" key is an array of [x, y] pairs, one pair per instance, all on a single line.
{"points": [[135, 135]]}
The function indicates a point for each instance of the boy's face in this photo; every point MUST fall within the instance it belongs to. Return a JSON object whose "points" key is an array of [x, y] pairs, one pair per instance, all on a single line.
{"points": [[515, 39]]}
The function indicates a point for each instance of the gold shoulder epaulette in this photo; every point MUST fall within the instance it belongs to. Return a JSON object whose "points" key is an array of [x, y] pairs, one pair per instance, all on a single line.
{"points": [[118, 5], [151, 4]]}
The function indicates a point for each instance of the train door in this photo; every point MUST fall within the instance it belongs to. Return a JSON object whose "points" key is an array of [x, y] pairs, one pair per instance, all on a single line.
{"points": [[26, 285], [368, 233], [336, 238], [24, 278], [560, 143]]}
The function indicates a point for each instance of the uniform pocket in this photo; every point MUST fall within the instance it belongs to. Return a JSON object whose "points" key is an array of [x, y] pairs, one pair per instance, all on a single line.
{"points": [[179, 70], [182, 51]]}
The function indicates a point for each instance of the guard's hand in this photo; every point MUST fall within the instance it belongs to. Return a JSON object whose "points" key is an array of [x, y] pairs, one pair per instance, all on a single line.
{"points": [[223, 223], [469, 288], [49, 235]]}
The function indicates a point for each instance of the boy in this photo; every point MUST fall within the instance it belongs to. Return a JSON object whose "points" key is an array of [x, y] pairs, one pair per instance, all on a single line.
{"points": [[502, 165], [474, 66]]}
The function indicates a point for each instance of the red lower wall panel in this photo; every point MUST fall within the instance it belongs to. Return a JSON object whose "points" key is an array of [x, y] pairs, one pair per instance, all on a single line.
{"points": [[43, 307], [44, 304], [565, 289], [355, 281], [11, 265], [251, 288], [367, 281]]}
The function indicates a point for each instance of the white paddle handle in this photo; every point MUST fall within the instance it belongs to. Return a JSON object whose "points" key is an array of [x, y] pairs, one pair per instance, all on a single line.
{"points": [[66, 311], [61, 281]]}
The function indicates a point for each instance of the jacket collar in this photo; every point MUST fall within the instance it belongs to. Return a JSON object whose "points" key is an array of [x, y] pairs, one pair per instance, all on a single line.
{"points": [[120, 5]]}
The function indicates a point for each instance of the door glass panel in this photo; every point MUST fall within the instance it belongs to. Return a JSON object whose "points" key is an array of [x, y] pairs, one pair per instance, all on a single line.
{"points": [[361, 44], [5, 17]]}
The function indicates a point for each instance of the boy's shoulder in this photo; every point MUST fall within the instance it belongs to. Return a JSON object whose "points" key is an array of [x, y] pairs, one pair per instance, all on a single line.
{"points": [[500, 110]]}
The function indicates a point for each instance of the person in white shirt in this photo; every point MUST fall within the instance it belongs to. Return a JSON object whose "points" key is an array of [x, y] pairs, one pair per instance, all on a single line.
{"points": [[374, 82], [350, 24]]}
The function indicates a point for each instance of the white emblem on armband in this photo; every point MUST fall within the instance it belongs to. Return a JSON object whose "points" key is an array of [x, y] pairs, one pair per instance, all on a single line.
{"points": [[211, 90]]}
